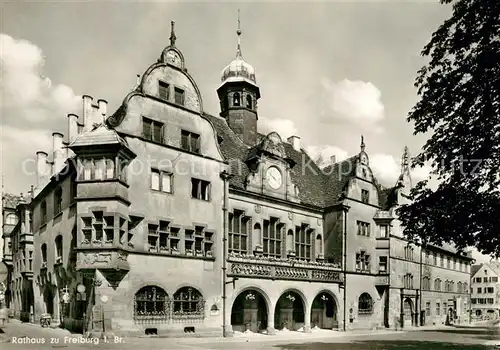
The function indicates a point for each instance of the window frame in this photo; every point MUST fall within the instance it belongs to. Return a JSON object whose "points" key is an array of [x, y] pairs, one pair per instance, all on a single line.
{"points": [[187, 139], [199, 188], [163, 86], [152, 124], [161, 174], [179, 92]]}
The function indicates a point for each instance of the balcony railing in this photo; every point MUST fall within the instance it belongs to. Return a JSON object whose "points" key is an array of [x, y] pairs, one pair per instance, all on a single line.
{"points": [[283, 269]]}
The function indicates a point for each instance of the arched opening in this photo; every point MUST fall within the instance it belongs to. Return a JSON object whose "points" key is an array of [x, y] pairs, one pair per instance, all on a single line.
{"points": [[188, 302], [49, 301], [249, 312], [257, 235], [249, 102], [44, 254], [289, 242], [151, 305], [365, 304], [289, 313], [236, 99], [59, 248], [324, 312], [408, 312]]}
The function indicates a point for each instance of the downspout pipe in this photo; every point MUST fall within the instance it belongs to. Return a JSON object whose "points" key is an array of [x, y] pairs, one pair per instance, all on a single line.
{"points": [[345, 209], [225, 176]]}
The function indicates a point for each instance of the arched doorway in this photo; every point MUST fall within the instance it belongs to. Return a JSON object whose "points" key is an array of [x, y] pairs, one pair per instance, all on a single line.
{"points": [[289, 313], [408, 312], [324, 311], [249, 312], [49, 300]]}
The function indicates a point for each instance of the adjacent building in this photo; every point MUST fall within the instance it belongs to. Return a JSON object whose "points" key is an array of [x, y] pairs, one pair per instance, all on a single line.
{"points": [[161, 218], [485, 291]]}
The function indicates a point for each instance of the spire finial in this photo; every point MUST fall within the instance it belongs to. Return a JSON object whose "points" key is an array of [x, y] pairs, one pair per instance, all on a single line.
{"points": [[172, 33], [405, 160], [238, 32], [362, 143]]}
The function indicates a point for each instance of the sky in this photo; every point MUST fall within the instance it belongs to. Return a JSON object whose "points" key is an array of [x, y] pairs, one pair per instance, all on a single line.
{"points": [[328, 72]]}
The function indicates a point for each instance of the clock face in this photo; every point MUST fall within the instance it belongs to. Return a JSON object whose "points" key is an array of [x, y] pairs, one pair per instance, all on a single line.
{"points": [[273, 177]]}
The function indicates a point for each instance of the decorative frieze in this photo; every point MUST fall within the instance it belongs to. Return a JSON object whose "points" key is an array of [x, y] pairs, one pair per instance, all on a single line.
{"points": [[285, 269], [103, 260]]}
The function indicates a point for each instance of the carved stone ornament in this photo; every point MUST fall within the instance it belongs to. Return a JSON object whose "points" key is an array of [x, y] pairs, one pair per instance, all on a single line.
{"points": [[122, 256], [93, 258], [257, 208], [290, 215], [320, 221]]}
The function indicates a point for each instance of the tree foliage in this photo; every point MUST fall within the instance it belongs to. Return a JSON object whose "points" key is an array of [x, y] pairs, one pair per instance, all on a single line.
{"points": [[459, 108]]}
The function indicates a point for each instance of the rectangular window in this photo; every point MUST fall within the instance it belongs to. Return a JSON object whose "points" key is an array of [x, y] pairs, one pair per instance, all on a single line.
{"points": [[382, 264], [438, 309], [490, 290], [479, 290], [365, 196], [303, 242], [494, 279], [427, 309], [362, 262], [272, 238], [190, 141], [58, 201], [88, 169], [152, 130], [110, 169], [384, 231], [179, 96], [163, 90], [363, 229], [238, 232], [200, 189], [161, 181]]}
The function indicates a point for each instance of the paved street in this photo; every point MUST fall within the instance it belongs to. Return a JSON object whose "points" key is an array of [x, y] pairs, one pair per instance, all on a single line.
{"points": [[445, 338]]}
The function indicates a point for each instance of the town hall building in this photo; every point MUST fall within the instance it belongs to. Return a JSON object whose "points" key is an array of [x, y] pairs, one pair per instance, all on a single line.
{"points": [[162, 218]]}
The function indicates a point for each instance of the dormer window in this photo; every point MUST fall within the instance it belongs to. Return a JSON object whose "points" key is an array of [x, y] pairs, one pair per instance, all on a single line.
{"points": [[179, 96], [163, 90], [249, 101], [236, 99]]}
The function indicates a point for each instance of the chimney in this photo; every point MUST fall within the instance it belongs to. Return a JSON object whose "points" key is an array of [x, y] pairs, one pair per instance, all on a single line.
{"points": [[103, 107], [87, 113], [295, 142], [333, 159], [72, 127], [58, 152], [41, 168]]}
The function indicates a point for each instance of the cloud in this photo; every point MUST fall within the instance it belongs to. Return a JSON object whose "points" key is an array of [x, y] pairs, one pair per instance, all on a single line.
{"points": [[356, 101], [387, 169], [322, 154], [284, 127], [26, 93]]}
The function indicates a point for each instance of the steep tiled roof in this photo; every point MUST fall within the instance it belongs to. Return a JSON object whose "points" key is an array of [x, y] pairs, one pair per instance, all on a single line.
{"points": [[474, 269], [309, 179], [100, 135], [337, 177]]}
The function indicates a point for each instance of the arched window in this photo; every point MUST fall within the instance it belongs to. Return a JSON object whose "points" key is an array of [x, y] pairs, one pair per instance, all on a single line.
{"points": [[318, 248], [426, 283], [11, 219], [437, 284], [249, 101], [257, 234], [365, 304], [44, 253], [151, 302], [59, 247], [289, 242], [43, 212], [236, 99], [58, 201], [188, 302]]}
